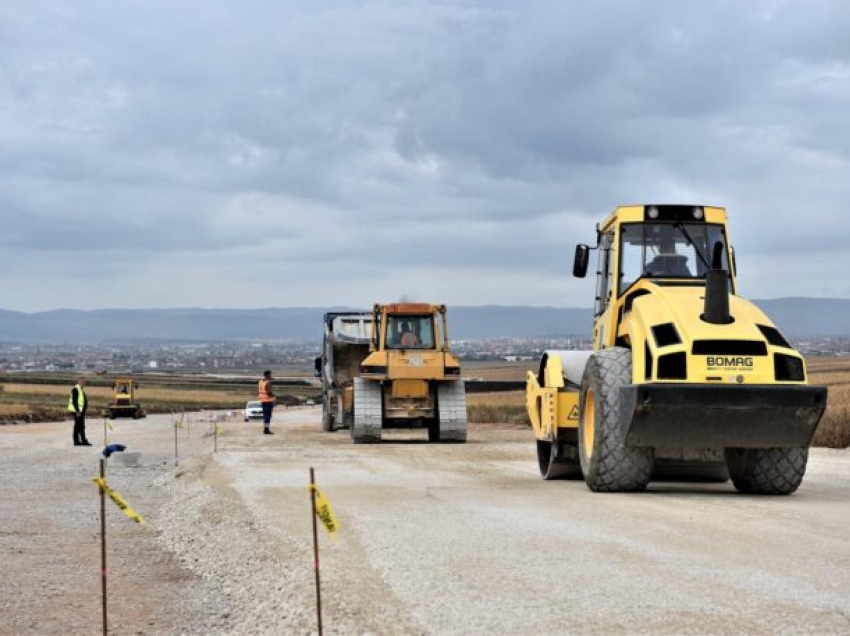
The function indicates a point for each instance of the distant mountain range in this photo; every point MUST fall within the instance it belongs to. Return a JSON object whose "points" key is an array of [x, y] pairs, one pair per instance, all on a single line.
{"points": [[798, 317]]}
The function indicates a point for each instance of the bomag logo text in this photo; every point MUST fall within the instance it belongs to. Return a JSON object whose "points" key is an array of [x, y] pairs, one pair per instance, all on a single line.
{"points": [[723, 361]]}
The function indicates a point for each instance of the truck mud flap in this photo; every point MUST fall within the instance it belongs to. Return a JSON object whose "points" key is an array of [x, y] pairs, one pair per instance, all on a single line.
{"points": [[755, 416]]}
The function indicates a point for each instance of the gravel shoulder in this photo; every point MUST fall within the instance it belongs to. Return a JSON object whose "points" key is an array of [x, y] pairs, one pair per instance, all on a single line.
{"points": [[434, 539]]}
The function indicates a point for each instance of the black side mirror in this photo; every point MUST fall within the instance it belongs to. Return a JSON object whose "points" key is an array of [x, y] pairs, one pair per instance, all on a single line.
{"points": [[581, 261], [317, 367]]}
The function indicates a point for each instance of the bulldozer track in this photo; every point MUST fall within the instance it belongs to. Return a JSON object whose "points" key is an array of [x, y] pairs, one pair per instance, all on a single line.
{"points": [[452, 414], [368, 412]]}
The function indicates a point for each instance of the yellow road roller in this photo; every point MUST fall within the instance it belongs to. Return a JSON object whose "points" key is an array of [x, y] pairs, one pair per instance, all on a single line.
{"points": [[686, 379]]}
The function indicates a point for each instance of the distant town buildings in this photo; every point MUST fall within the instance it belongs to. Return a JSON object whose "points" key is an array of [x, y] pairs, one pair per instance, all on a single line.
{"points": [[252, 357]]}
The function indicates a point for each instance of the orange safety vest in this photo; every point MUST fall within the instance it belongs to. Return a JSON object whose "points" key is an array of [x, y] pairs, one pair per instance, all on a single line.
{"points": [[264, 391]]}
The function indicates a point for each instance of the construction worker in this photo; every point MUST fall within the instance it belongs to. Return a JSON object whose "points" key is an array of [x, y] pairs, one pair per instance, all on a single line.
{"points": [[267, 399], [667, 262], [408, 338], [78, 404]]}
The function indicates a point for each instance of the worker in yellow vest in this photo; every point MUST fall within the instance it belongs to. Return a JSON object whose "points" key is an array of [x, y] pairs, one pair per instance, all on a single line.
{"points": [[267, 399], [78, 404]]}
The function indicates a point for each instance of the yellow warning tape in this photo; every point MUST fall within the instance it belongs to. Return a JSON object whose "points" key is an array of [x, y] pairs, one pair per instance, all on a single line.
{"points": [[218, 430], [324, 511], [126, 508], [177, 424]]}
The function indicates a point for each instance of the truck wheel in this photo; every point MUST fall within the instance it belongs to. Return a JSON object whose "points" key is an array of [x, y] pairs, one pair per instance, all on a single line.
{"points": [[767, 471], [368, 412], [557, 461], [327, 417], [608, 464]]}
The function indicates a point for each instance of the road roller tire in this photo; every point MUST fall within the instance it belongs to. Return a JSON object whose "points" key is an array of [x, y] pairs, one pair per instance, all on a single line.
{"points": [[767, 471], [608, 464]]}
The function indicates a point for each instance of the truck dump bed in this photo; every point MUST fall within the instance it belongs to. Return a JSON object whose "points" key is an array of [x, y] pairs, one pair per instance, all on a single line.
{"points": [[346, 345], [347, 339]]}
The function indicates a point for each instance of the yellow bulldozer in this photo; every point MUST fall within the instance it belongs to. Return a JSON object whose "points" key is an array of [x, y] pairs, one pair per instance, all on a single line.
{"points": [[686, 380], [123, 402], [409, 379]]}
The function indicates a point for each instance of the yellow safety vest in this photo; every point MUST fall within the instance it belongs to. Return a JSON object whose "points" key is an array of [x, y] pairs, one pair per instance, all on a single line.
{"points": [[81, 400]]}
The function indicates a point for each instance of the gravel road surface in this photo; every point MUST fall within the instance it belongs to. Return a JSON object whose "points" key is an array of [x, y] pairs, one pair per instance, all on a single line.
{"points": [[445, 539]]}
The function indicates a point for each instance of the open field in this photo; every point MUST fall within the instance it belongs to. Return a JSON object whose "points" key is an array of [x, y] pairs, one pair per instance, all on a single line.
{"points": [[42, 397], [435, 540]]}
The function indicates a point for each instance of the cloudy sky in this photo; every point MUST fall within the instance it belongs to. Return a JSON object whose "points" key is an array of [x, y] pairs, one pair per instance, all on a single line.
{"points": [[264, 153]]}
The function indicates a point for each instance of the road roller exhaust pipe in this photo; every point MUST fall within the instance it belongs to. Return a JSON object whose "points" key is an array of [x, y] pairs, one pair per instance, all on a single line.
{"points": [[717, 290]]}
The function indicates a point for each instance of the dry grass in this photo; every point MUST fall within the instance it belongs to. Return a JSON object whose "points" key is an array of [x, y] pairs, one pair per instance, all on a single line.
{"points": [[29, 413], [501, 408], [501, 371], [834, 429], [507, 398], [20, 401], [497, 413], [99, 395]]}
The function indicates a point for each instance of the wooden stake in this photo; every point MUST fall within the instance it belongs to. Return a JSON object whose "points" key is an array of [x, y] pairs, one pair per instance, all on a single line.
{"points": [[316, 551], [174, 426], [103, 543]]}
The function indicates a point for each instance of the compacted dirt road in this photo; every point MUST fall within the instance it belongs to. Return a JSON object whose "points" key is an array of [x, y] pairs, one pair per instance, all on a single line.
{"points": [[445, 539]]}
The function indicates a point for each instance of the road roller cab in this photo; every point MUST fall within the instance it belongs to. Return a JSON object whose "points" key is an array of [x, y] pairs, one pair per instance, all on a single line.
{"points": [[686, 378]]}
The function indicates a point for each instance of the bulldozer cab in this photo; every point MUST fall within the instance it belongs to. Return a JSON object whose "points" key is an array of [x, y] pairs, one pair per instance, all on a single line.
{"points": [[410, 326], [124, 390], [410, 332]]}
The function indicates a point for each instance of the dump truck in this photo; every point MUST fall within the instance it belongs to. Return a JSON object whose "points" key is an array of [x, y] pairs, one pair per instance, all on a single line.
{"points": [[345, 345], [123, 402], [686, 378], [410, 377]]}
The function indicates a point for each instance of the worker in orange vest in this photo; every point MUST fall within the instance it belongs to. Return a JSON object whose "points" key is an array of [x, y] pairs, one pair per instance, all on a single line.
{"points": [[267, 399]]}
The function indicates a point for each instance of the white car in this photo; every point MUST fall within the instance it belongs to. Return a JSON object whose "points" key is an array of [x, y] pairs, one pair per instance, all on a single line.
{"points": [[253, 411]]}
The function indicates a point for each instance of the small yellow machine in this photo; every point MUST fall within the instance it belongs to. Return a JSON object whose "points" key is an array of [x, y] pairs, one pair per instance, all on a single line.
{"points": [[686, 379], [123, 402], [410, 378]]}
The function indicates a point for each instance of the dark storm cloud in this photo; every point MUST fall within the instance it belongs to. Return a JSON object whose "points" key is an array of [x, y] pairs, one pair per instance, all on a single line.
{"points": [[208, 153]]}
